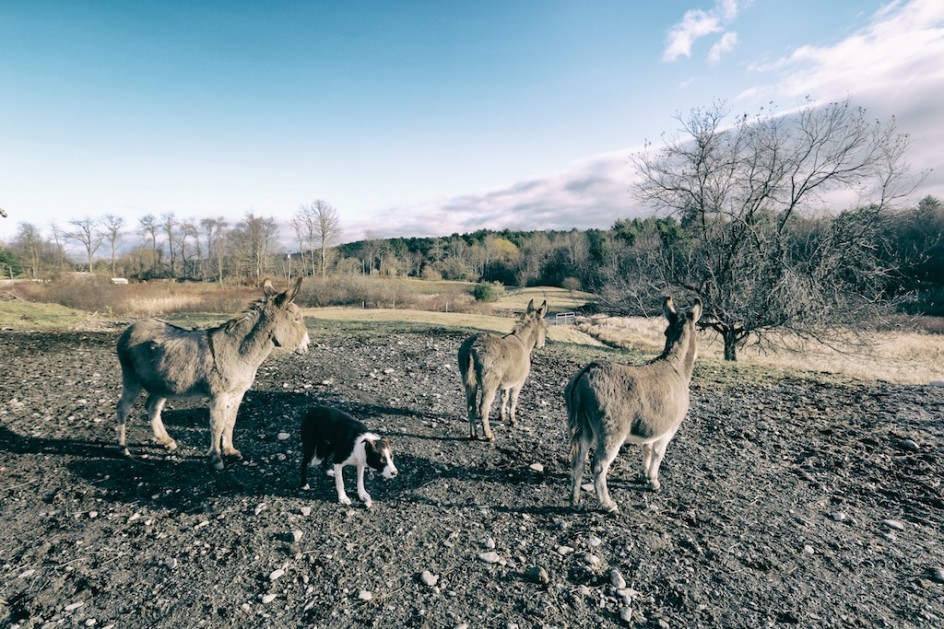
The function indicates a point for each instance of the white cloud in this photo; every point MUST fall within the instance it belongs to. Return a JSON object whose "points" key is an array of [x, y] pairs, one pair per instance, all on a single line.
{"points": [[696, 24], [894, 66], [592, 193], [724, 45]]}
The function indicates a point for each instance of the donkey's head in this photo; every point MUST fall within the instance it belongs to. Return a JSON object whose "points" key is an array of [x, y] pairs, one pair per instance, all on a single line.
{"points": [[681, 331], [288, 326], [534, 317]]}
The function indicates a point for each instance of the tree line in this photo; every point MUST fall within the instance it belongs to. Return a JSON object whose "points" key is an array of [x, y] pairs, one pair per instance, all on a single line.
{"points": [[743, 216]]}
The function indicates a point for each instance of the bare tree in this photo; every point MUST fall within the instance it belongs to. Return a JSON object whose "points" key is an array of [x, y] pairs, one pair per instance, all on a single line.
{"points": [[215, 229], [317, 226], [29, 245], [744, 192], [149, 229], [254, 240], [111, 230], [170, 224], [188, 229], [86, 233]]}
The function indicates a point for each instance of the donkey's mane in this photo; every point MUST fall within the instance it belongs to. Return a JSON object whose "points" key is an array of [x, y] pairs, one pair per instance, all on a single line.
{"points": [[251, 312], [523, 322]]}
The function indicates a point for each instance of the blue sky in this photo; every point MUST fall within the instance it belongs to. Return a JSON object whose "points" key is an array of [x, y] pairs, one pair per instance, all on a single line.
{"points": [[418, 118]]}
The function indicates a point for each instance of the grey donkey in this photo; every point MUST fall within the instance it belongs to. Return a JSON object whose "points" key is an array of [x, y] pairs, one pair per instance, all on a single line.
{"points": [[488, 362], [610, 403], [218, 363]]}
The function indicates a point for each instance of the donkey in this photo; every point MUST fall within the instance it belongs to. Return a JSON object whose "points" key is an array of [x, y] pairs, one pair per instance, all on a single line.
{"points": [[218, 363], [609, 404], [488, 362]]}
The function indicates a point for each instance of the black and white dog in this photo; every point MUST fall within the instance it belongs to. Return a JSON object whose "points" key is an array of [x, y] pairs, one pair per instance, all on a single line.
{"points": [[331, 434]]}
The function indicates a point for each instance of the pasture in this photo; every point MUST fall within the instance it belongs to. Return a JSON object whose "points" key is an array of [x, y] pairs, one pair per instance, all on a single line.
{"points": [[787, 497]]}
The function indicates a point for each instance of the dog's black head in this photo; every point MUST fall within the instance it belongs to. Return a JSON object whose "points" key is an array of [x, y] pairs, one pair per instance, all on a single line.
{"points": [[380, 457]]}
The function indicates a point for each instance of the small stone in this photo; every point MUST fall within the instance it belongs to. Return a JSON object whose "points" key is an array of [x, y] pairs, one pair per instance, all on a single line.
{"points": [[93, 514], [91, 622], [489, 543], [808, 550], [74, 606], [428, 578], [296, 536], [490, 557], [283, 436], [537, 574], [537, 467], [587, 487], [268, 598], [365, 595], [305, 511], [908, 444], [564, 550], [26, 573], [839, 516], [936, 574], [276, 574], [259, 508], [617, 580], [626, 615], [895, 525], [591, 560], [594, 541], [171, 563]]}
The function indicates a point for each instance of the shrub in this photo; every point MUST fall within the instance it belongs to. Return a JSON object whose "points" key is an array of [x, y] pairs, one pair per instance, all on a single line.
{"points": [[488, 291]]}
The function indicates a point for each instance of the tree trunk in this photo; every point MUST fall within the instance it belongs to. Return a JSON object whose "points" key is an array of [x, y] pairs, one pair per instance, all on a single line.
{"points": [[730, 344]]}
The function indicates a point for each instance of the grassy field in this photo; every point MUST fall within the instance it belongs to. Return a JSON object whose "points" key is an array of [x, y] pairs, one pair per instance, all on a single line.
{"points": [[896, 355]]}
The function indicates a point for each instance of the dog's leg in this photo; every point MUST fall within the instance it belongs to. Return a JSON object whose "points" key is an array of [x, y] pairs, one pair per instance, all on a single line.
{"points": [[339, 485], [361, 492]]}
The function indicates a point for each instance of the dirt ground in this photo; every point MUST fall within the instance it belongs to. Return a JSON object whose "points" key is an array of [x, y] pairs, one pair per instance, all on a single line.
{"points": [[792, 500]]}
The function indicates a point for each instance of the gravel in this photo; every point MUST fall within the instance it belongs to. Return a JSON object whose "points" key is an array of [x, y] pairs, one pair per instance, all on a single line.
{"points": [[799, 500]]}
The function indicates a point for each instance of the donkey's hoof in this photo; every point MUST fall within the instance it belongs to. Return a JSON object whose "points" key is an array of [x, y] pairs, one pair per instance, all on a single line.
{"points": [[655, 486], [610, 507], [217, 463], [170, 445], [233, 452], [125, 452]]}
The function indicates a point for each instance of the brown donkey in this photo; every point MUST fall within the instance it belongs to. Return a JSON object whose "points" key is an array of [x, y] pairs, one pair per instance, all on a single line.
{"points": [[218, 363], [609, 404], [488, 362]]}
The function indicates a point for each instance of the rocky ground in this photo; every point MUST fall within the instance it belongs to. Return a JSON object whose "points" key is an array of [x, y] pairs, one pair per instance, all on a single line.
{"points": [[785, 500]]}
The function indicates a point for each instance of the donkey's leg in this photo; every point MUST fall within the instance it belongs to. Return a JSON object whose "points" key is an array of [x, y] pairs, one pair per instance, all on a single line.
{"points": [[129, 393], [515, 391], [231, 411], [488, 396], [579, 447], [471, 397], [503, 407], [218, 416], [154, 405], [658, 451], [603, 457], [646, 462]]}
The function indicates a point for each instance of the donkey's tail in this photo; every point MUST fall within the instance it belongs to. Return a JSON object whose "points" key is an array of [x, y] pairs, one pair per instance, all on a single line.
{"points": [[578, 425], [467, 364]]}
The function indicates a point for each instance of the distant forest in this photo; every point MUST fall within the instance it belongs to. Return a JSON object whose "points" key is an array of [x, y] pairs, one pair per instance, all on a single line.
{"points": [[626, 265]]}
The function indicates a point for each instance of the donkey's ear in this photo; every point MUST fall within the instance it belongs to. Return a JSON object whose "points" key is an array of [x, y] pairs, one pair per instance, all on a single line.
{"points": [[695, 313], [668, 308], [530, 306], [267, 288], [543, 309], [291, 293]]}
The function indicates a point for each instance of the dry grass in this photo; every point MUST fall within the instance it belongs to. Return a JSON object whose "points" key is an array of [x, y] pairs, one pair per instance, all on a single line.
{"points": [[558, 299], [905, 357], [487, 323]]}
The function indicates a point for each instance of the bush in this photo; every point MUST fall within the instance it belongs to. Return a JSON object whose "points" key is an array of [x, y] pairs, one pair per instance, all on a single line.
{"points": [[488, 291]]}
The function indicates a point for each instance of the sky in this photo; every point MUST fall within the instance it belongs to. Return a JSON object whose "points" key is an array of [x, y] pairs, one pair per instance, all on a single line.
{"points": [[419, 118]]}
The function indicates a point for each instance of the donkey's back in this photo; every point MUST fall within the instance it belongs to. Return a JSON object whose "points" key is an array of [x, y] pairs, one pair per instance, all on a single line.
{"points": [[164, 359]]}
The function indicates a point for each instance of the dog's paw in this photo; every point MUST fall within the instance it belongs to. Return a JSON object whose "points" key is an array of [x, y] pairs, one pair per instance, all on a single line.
{"points": [[330, 473], [344, 500], [365, 498], [305, 487]]}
